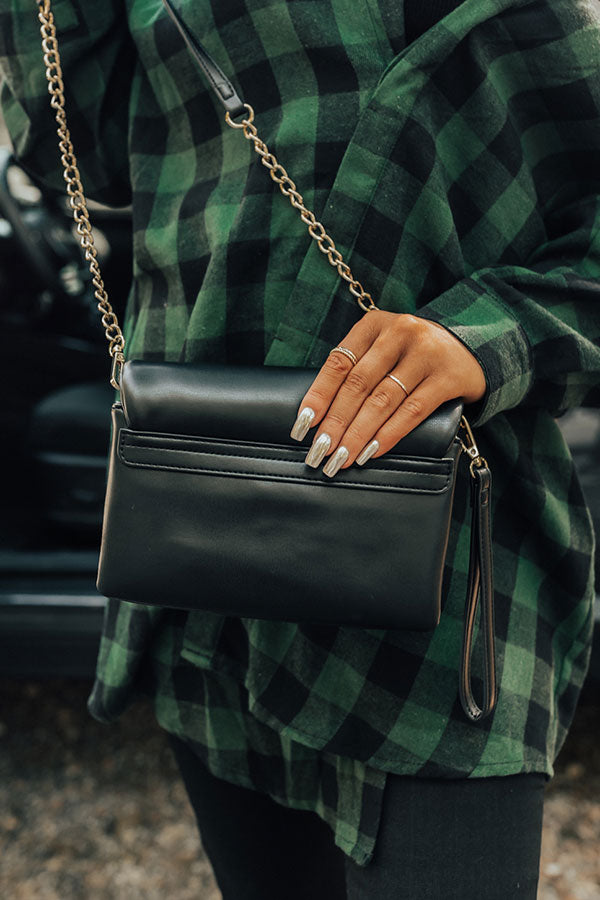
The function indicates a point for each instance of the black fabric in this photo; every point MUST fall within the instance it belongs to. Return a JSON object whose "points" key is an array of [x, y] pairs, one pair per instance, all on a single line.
{"points": [[420, 16], [460, 839], [455, 839], [257, 848]]}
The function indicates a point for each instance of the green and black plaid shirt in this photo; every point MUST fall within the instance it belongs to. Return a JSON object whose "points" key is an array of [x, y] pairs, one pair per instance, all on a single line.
{"points": [[460, 173]]}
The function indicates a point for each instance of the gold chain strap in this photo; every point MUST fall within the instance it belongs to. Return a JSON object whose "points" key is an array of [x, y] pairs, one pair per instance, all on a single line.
{"points": [[315, 228], [77, 202]]}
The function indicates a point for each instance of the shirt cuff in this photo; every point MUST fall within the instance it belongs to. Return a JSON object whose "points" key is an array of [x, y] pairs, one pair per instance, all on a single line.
{"points": [[484, 323]]}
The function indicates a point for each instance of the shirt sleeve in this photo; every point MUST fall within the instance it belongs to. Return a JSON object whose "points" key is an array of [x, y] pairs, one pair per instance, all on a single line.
{"points": [[535, 328], [97, 56], [534, 323]]}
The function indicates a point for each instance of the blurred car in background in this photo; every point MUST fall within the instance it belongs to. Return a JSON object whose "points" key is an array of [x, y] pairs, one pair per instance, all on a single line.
{"points": [[54, 425], [55, 429]]}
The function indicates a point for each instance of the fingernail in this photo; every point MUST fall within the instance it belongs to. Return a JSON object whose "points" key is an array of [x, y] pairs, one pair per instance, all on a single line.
{"points": [[302, 423], [315, 455], [336, 462], [367, 453]]}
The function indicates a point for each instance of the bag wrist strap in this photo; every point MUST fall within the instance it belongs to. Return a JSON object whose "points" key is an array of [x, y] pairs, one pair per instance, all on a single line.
{"points": [[480, 567], [479, 588], [480, 584]]}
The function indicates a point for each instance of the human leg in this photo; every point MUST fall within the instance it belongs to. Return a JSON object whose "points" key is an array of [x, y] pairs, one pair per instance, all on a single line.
{"points": [[455, 839], [260, 850]]}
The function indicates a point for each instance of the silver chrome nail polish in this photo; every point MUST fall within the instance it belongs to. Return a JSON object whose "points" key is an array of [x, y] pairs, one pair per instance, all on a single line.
{"points": [[315, 455], [336, 462], [302, 423], [367, 453]]}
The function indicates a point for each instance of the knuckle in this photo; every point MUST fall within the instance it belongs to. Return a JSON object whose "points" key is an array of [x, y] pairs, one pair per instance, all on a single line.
{"points": [[413, 407], [354, 435], [316, 397], [377, 318], [418, 332], [335, 419], [337, 364], [356, 383], [318, 400], [412, 322], [381, 399]]}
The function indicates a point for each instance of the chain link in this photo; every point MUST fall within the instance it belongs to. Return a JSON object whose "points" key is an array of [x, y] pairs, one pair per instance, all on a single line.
{"points": [[75, 195], [315, 228], [77, 202]]}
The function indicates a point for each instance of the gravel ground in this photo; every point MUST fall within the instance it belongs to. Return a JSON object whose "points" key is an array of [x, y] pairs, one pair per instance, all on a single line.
{"points": [[89, 812]]}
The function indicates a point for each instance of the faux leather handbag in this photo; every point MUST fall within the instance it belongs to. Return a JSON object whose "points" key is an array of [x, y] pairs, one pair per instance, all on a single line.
{"points": [[209, 504]]}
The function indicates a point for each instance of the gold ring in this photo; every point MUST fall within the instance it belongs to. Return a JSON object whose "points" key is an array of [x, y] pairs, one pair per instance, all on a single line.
{"points": [[398, 382], [346, 352]]}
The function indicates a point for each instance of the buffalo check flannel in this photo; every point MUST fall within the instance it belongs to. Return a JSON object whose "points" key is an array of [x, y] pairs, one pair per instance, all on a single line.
{"points": [[459, 172]]}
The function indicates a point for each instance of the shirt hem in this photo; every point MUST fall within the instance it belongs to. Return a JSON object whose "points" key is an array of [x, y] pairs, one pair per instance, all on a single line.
{"points": [[400, 766], [235, 776]]}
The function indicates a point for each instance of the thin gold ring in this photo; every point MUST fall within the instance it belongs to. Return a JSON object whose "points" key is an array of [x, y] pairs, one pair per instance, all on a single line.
{"points": [[399, 383], [346, 352]]}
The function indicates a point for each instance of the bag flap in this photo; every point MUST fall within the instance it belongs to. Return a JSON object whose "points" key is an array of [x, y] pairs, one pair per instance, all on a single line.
{"points": [[246, 403]]}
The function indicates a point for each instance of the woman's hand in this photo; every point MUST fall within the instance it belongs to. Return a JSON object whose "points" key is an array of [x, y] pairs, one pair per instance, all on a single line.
{"points": [[361, 413]]}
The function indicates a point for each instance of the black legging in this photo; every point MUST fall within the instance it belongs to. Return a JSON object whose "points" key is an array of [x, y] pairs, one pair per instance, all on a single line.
{"points": [[439, 839]]}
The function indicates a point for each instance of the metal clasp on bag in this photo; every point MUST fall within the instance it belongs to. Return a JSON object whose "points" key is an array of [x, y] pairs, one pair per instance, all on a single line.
{"points": [[470, 447], [117, 367]]}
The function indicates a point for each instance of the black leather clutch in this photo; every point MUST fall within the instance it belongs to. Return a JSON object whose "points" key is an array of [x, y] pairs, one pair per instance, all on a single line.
{"points": [[210, 505]]}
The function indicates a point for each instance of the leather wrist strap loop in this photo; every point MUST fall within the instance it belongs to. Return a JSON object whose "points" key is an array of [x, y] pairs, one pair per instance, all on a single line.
{"points": [[479, 588]]}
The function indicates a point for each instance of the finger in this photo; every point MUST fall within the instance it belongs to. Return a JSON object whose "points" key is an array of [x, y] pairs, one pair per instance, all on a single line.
{"points": [[385, 398], [356, 389], [365, 401], [332, 374], [419, 404]]}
